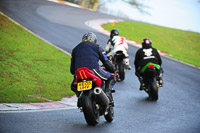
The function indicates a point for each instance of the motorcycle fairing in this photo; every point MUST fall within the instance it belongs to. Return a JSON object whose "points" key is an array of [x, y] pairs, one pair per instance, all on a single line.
{"points": [[85, 73], [150, 64]]}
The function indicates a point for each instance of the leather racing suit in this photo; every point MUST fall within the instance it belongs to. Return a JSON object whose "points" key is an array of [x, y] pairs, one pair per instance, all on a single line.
{"points": [[119, 44]]}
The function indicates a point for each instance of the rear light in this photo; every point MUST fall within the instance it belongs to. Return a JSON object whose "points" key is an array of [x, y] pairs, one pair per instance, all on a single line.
{"points": [[152, 65], [94, 80], [75, 83]]}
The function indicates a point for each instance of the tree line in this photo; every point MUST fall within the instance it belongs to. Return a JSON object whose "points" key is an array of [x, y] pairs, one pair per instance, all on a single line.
{"points": [[94, 4]]}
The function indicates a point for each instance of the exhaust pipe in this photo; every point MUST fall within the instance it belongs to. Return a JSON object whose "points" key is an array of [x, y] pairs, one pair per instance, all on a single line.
{"points": [[102, 97]]}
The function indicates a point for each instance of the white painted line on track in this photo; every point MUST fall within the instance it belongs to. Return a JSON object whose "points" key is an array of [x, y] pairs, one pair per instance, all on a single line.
{"points": [[65, 103]]}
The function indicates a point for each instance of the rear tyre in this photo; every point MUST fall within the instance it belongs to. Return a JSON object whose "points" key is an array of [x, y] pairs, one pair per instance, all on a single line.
{"points": [[153, 92], [90, 109], [121, 71]]}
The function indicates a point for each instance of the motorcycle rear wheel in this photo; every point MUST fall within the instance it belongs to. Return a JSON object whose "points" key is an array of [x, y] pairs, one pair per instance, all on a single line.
{"points": [[153, 90], [121, 71], [90, 109]]}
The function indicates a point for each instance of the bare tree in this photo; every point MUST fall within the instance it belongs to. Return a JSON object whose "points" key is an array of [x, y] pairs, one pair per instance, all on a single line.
{"points": [[83, 2], [95, 5], [92, 4], [138, 5], [74, 1]]}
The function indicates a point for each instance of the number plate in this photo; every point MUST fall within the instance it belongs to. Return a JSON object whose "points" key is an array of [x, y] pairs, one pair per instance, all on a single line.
{"points": [[85, 85]]}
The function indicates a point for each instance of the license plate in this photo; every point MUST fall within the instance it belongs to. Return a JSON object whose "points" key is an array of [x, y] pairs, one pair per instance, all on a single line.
{"points": [[85, 85]]}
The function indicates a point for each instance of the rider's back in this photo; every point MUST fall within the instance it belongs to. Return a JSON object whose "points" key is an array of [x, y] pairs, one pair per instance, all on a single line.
{"points": [[119, 43], [86, 54], [146, 55]]}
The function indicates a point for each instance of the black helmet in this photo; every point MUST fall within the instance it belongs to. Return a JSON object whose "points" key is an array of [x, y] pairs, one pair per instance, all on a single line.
{"points": [[146, 43], [114, 32], [91, 37]]}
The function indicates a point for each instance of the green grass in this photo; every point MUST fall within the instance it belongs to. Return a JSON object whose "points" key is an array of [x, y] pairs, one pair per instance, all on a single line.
{"points": [[179, 44], [30, 67]]}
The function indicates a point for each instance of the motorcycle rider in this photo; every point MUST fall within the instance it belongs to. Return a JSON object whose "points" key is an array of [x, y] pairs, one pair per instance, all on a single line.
{"points": [[145, 55], [87, 54], [119, 44]]}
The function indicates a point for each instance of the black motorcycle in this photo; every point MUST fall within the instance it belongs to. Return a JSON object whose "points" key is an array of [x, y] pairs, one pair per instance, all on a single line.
{"points": [[151, 81], [119, 63], [93, 101]]}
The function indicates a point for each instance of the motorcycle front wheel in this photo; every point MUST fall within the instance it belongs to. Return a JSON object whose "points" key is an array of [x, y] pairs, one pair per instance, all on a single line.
{"points": [[90, 109]]}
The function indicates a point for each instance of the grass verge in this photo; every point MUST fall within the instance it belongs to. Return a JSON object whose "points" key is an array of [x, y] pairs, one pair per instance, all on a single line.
{"points": [[179, 44], [30, 67]]}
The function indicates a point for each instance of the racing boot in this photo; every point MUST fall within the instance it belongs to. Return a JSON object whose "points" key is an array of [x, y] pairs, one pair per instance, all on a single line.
{"points": [[110, 83], [160, 77], [79, 99], [129, 67], [142, 85], [109, 95], [160, 80], [73, 88], [126, 60], [79, 103], [109, 90]]}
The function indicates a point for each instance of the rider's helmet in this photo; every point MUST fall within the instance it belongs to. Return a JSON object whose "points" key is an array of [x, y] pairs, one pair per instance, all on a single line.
{"points": [[146, 43], [114, 32], [91, 37]]}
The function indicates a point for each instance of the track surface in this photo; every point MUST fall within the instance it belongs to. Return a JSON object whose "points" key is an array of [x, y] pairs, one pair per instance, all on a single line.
{"points": [[177, 109]]}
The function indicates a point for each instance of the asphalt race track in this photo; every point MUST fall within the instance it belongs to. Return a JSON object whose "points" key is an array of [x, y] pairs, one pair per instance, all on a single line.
{"points": [[176, 111]]}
